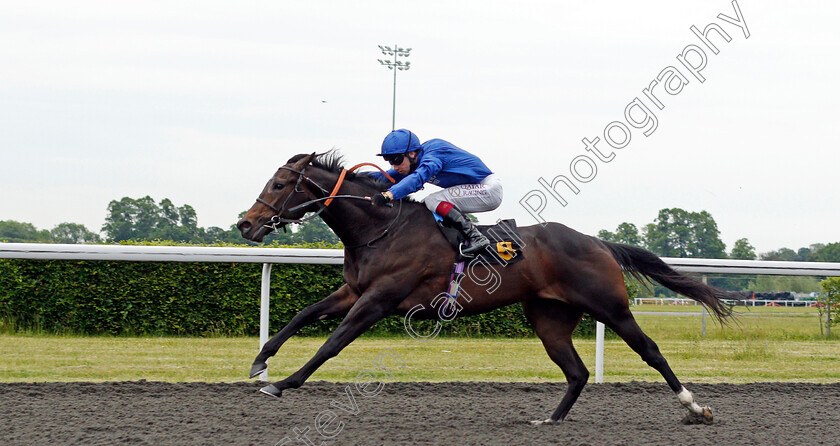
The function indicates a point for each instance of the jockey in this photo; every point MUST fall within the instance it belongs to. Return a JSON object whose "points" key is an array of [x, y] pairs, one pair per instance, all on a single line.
{"points": [[469, 186]]}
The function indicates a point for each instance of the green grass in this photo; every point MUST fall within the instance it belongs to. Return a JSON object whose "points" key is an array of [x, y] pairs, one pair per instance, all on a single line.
{"points": [[765, 344], [761, 310], [750, 323]]}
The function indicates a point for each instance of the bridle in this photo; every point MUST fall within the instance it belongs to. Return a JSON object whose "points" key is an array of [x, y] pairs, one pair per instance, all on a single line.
{"points": [[278, 221]]}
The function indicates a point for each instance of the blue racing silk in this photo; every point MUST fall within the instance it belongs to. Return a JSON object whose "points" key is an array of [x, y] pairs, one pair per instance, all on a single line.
{"points": [[440, 163]]}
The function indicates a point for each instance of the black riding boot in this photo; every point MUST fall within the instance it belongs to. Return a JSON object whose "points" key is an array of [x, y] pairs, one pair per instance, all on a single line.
{"points": [[463, 224]]}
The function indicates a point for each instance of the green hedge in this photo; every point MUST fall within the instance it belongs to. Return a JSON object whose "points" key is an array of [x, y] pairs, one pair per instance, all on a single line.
{"points": [[196, 299]]}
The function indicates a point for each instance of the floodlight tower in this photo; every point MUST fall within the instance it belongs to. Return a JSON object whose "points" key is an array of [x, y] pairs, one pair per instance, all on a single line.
{"points": [[395, 65]]}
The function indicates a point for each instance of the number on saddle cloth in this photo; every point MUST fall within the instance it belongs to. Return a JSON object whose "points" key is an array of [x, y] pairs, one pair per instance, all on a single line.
{"points": [[505, 242], [505, 248]]}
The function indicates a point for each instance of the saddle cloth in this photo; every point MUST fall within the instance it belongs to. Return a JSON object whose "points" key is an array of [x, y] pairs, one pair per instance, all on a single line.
{"points": [[505, 242]]}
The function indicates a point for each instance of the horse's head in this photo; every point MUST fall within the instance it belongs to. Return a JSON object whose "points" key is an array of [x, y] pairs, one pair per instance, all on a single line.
{"points": [[280, 200]]}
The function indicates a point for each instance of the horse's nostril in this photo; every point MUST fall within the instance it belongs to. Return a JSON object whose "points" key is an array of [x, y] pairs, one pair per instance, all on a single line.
{"points": [[243, 225]]}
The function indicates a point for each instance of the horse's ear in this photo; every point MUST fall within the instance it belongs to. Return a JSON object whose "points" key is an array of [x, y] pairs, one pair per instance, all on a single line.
{"points": [[303, 162]]}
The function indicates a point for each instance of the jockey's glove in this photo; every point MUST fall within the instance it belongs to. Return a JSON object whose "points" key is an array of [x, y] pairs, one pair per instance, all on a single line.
{"points": [[380, 199]]}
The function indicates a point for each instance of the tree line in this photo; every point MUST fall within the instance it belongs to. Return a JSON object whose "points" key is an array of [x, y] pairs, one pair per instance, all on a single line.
{"points": [[676, 232], [142, 219]]}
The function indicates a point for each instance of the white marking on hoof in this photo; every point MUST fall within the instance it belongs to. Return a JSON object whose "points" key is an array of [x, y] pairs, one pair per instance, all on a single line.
{"points": [[687, 400], [704, 418], [543, 422]]}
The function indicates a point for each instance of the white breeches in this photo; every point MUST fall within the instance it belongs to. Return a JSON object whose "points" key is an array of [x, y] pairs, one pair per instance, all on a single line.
{"points": [[481, 197]]}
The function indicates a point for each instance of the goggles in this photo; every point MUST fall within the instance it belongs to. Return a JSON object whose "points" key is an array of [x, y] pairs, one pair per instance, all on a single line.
{"points": [[394, 159]]}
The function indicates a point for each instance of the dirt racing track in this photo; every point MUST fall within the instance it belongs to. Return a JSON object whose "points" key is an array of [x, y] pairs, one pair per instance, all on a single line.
{"points": [[156, 413]]}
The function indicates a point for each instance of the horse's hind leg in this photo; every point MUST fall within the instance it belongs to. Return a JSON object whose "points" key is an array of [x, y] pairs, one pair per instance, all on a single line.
{"points": [[554, 322], [336, 304], [622, 322]]}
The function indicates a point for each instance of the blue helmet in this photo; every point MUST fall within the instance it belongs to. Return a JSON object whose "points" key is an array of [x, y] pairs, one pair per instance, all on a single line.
{"points": [[400, 141]]}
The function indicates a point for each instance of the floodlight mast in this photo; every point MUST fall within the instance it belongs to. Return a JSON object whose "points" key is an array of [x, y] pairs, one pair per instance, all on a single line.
{"points": [[397, 52]]}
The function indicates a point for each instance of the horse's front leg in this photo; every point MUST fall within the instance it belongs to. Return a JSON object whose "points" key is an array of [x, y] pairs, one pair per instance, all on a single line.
{"points": [[369, 309], [335, 305]]}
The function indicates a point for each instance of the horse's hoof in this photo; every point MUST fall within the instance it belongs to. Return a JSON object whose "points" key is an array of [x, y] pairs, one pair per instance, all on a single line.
{"points": [[544, 422], [271, 390], [258, 368], [707, 415], [701, 418]]}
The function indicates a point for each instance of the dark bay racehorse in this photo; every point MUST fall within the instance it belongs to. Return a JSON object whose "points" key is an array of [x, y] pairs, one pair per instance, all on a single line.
{"points": [[396, 258]]}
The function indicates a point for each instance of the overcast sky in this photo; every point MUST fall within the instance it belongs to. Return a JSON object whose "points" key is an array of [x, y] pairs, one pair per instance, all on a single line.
{"points": [[200, 102]]}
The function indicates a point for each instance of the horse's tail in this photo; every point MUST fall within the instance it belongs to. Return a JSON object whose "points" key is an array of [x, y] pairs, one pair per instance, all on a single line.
{"points": [[643, 264]]}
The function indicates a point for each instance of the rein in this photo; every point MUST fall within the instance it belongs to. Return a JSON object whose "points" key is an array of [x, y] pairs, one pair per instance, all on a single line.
{"points": [[384, 233], [344, 173], [277, 220]]}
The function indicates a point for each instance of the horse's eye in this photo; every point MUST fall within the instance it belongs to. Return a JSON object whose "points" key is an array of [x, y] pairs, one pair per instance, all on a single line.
{"points": [[278, 186]]}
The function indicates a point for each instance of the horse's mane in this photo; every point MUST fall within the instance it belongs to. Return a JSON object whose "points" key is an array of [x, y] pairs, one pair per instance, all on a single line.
{"points": [[333, 161]]}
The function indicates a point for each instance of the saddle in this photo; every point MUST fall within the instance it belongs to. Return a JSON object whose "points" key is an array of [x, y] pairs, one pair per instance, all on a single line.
{"points": [[505, 242]]}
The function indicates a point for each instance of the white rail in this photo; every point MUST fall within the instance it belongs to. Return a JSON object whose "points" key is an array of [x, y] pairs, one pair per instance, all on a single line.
{"points": [[140, 253], [268, 256], [764, 267], [748, 302]]}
